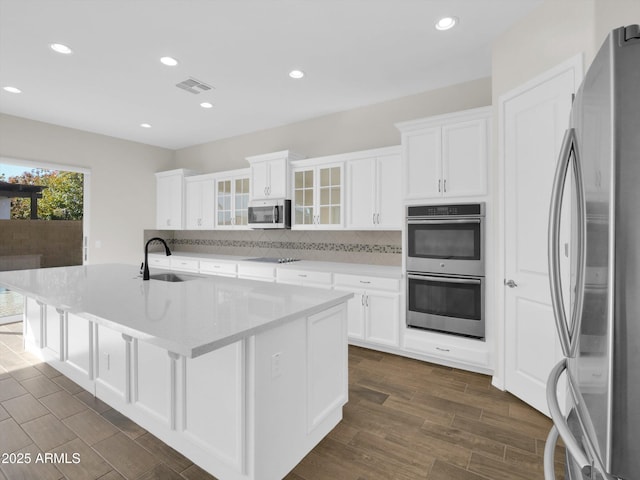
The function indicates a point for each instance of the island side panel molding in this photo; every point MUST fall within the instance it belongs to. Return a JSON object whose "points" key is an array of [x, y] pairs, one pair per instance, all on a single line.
{"points": [[175, 402], [77, 345], [214, 403], [112, 352], [288, 422], [152, 381], [53, 334], [327, 357], [33, 323]]}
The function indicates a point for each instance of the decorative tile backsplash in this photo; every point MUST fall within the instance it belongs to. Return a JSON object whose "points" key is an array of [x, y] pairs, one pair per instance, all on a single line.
{"points": [[373, 247]]}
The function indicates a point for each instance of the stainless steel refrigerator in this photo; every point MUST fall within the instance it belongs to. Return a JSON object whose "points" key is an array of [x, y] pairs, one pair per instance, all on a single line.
{"points": [[600, 329]]}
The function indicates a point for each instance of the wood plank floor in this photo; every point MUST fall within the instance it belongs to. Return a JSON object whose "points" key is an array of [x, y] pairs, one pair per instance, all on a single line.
{"points": [[405, 420]]}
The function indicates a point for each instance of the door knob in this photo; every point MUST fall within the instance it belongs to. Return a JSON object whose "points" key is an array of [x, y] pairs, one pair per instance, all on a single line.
{"points": [[510, 283]]}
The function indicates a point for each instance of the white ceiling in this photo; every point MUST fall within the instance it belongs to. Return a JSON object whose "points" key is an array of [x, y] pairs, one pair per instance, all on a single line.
{"points": [[354, 53]]}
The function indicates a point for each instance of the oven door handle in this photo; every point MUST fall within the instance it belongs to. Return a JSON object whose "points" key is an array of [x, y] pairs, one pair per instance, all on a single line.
{"points": [[472, 281], [418, 221]]}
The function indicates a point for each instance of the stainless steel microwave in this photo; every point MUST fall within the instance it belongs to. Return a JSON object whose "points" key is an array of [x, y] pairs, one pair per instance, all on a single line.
{"points": [[270, 214]]}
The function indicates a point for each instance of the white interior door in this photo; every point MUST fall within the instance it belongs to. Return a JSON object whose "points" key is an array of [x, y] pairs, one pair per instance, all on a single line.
{"points": [[535, 118]]}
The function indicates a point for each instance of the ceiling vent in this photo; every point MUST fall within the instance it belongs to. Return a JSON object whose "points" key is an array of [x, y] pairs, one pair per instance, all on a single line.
{"points": [[193, 85]]}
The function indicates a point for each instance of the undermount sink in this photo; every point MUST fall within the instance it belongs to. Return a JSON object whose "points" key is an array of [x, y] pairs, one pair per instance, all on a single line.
{"points": [[171, 277]]}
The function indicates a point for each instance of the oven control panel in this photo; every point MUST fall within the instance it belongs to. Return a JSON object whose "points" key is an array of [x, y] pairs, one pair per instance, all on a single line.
{"points": [[464, 209]]}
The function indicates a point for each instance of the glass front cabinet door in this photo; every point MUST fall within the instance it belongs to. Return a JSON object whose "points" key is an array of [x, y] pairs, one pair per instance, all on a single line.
{"points": [[232, 200], [318, 196]]}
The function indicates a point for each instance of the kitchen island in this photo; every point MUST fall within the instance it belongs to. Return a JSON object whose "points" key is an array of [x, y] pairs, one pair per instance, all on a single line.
{"points": [[242, 377]]}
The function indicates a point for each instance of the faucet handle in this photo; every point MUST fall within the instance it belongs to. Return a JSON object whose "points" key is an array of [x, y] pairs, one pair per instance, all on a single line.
{"points": [[141, 268]]}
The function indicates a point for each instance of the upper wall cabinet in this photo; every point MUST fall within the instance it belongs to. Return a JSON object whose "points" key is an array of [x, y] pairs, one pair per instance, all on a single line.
{"points": [[269, 176], [170, 199], [200, 203], [318, 195], [374, 190], [232, 199], [447, 155]]}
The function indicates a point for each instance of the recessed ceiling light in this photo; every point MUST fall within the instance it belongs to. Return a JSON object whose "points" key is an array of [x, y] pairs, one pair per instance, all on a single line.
{"points": [[145, 125], [206, 105], [445, 23], [12, 89], [296, 74], [61, 48], [169, 61]]}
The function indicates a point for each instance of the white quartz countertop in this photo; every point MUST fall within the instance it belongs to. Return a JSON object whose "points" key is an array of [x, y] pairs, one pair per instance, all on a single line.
{"points": [[334, 267], [190, 318]]}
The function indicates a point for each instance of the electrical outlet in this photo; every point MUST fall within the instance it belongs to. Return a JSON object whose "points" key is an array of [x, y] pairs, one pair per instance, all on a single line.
{"points": [[276, 365]]}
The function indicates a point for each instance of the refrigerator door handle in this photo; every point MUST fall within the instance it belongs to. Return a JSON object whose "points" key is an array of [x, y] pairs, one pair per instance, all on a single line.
{"points": [[549, 451], [560, 424], [568, 334]]}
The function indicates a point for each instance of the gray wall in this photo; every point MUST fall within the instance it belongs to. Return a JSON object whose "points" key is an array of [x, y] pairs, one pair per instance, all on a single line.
{"points": [[349, 131], [122, 185]]}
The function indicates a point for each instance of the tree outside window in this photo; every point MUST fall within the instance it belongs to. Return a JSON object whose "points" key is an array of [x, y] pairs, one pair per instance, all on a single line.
{"points": [[62, 197]]}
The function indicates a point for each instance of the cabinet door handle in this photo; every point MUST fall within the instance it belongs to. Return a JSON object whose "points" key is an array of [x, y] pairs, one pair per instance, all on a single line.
{"points": [[302, 275], [445, 185], [439, 184], [365, 281], [373, 218], [362, 300], [366, 300], [443, 349], [378, 218]]}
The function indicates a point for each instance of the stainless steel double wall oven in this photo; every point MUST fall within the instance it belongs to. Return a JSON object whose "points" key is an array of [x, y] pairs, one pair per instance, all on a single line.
{"points": [[445, 268]]}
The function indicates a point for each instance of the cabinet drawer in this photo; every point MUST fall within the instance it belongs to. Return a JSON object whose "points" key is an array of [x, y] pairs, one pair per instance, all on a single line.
{"points": [[466, 351], [157, 261], [365, 282], [185, 264], [218, 268], [286, 275], [255, 271]]}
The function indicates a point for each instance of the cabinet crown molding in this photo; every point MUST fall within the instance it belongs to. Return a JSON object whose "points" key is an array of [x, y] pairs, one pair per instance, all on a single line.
{"points": [[275, 155], [439, 120], [177, 171], [344, 157]]}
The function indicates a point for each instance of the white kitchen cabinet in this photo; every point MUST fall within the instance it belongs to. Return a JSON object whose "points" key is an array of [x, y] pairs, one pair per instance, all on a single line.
{"points": [[374, 312], [159, 261], [232, 199], [34, 323], [170, 199], [113, 366], [200, 203], [220, 268], [318, 195], [307, 278], [453, 350], [374, 190], [269, 174], [255, 271], [78, 349], [447, 155], [53, 334], [184, 264]]}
